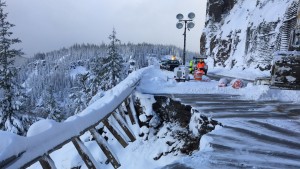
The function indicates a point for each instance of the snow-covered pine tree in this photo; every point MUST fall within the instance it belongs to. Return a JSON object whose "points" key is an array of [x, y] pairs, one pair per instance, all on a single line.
{"points": [[97, 74], [11, 95], [50, 105], [112, 64], [81, 93]]}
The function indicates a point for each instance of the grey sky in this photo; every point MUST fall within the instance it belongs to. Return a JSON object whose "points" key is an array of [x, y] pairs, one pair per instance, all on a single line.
{"points": [[45, 25]]}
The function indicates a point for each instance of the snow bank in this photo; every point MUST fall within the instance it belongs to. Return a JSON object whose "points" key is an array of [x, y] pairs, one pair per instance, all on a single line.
{"points": [[205, 143]]}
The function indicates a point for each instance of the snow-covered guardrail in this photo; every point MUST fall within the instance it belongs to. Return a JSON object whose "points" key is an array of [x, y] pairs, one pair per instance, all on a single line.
{"points": [[21, 152]]}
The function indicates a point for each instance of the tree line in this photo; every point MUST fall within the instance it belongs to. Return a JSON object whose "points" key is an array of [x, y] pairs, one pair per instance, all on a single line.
{"points": [[61, 83]]}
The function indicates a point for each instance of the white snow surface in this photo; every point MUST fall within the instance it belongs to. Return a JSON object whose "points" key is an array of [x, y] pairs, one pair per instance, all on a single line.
{"points": [[156, 81], [246, 14], [48, 134], [78, 70], [138, 154]]}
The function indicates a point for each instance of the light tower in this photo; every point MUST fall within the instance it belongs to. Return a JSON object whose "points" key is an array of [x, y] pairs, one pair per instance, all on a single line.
{"points": [[188, 23]]}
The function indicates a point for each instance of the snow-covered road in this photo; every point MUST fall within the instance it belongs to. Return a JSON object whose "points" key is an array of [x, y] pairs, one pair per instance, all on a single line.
{"points": [[255, 134], [261, 125]]}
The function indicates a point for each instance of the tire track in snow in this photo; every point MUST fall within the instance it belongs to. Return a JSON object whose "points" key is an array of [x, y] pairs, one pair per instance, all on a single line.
{"points": [[256, 134]]}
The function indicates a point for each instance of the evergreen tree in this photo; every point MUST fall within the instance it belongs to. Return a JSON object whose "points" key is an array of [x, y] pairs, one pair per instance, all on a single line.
{"points": [[97, 73], [11, 95], [112, 64], [81, 93], [50, 105]]}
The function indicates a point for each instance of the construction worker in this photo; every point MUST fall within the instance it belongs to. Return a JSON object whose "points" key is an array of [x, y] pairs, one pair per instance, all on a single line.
{"points": [[201, 66], [191, 68]]}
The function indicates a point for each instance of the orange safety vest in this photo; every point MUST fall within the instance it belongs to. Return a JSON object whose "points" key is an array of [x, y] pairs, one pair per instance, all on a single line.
{"points": [[200, 65]]}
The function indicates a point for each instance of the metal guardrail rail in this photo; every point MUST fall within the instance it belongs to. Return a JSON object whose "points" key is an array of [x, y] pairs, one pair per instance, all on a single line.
{"points": [[39, 147]]}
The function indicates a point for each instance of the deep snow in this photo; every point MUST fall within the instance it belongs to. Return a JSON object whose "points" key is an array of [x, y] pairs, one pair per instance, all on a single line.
{"points": [[140, 153]]}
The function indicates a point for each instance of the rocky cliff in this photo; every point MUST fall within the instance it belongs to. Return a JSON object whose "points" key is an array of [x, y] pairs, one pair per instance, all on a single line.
{"points": [[246, 33]]}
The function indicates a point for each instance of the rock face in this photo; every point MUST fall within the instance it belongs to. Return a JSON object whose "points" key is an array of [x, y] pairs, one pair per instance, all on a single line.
{"points": [[217, 8], [179, 126], [172, 111], [246, 33]]}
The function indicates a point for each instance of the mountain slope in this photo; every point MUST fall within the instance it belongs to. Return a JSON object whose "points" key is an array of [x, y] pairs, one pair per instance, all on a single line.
{"points": [[245, 33]]}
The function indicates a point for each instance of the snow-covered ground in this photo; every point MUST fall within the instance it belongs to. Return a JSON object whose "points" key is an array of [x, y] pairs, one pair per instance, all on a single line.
{"points": [[140, 153], [160, 82]]}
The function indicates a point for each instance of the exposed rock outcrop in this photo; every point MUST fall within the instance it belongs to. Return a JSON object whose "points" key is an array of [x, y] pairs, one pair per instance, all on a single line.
{"points": [[178, 126], [246, 33]]}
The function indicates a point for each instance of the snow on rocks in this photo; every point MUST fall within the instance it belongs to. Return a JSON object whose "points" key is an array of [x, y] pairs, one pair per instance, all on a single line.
{"points": [[223, 82], [201, 124], [146, 101], [205, 79], [143, 118], [205, 143], [144, 131]]}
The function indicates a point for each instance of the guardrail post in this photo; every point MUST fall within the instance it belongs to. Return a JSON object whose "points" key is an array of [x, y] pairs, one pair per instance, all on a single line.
{"points": [[47, 163], [124, 126], [85, 154], [104, 147], [130, 113], [122, 113], [113, 131]]}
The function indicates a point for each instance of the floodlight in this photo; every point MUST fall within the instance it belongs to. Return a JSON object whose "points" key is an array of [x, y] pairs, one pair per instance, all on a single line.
{"points": [[191, 15], [190, 25], [179, 16], [179, 25]]}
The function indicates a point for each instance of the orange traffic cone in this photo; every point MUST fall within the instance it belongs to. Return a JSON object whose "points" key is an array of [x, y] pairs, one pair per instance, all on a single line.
{"points": [[198, 74]]}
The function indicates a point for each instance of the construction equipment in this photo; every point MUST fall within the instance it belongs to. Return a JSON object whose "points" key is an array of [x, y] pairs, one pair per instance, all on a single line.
{"points": [[181, 73], [285, 71]]}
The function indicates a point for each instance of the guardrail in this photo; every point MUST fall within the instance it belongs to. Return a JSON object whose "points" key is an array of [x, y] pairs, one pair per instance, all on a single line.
{"points": [[111, 105]]}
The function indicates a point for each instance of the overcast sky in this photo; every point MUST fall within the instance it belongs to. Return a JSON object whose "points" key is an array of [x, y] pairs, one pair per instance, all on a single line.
{"points": [[46, 25]]}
